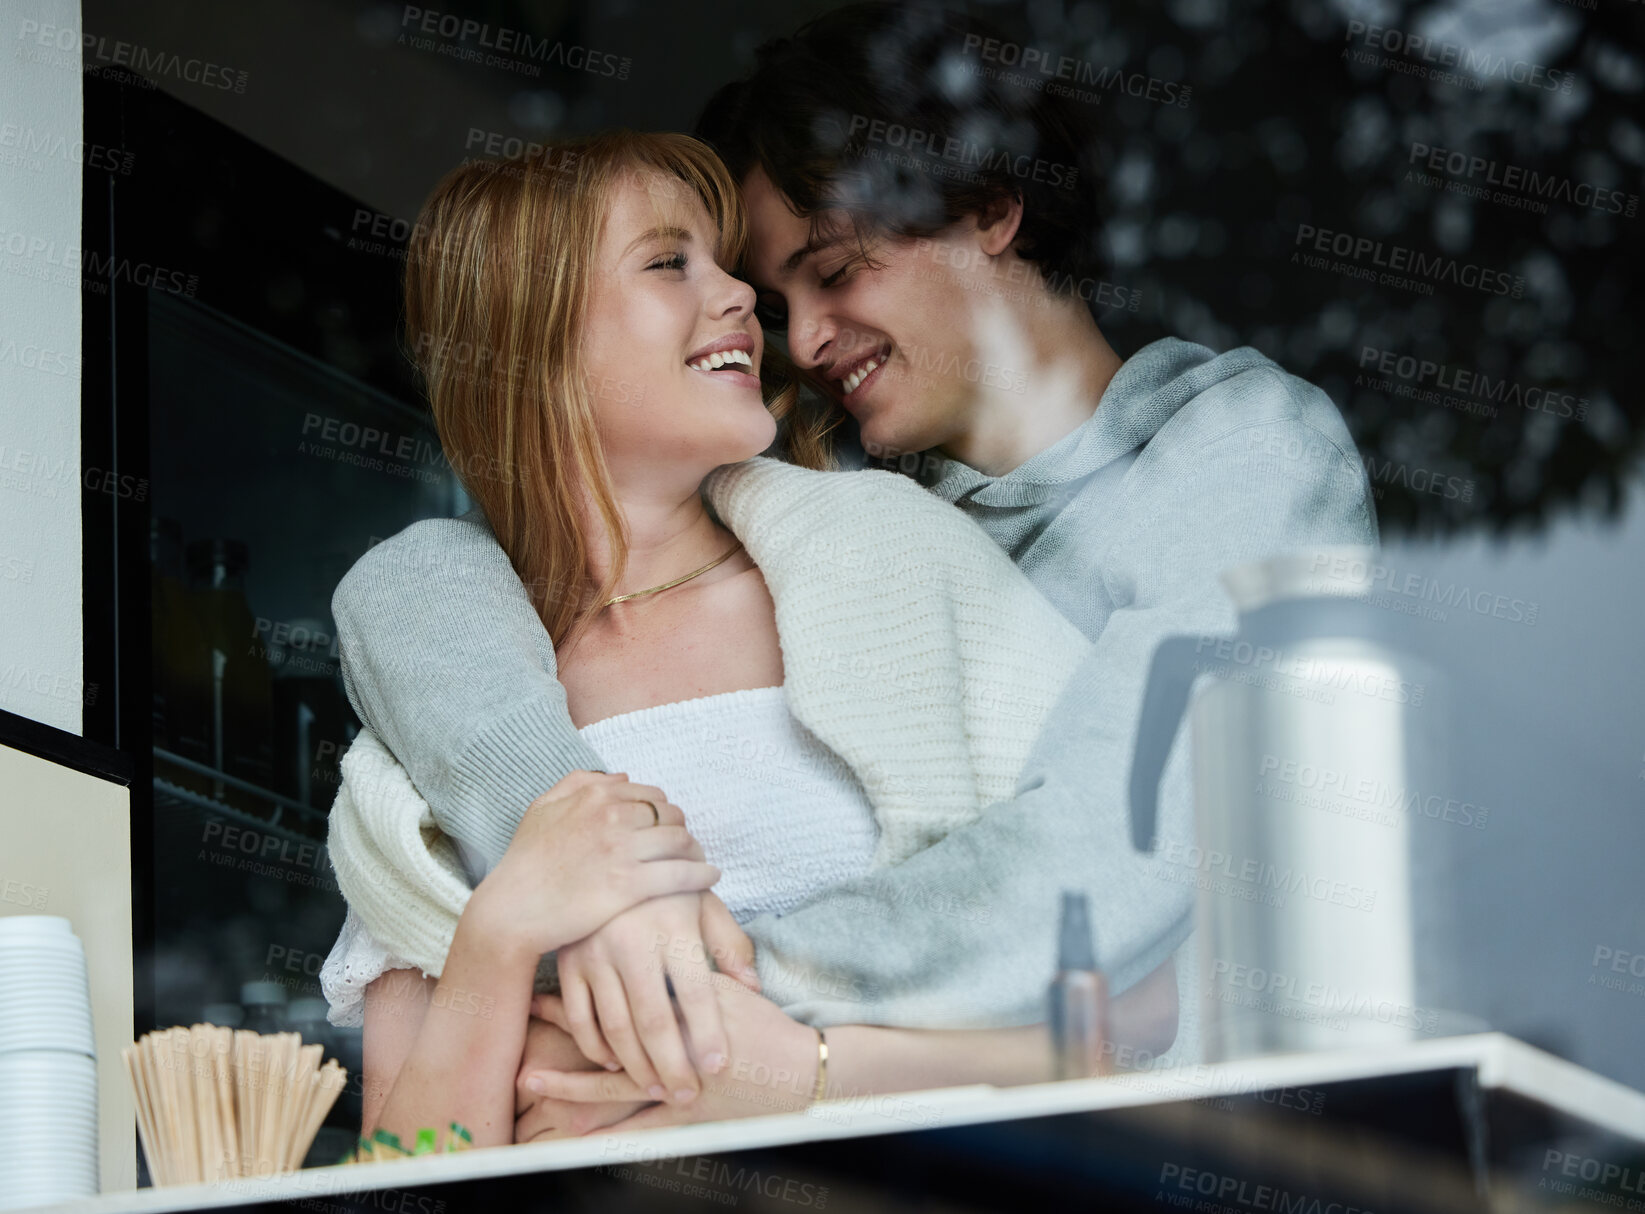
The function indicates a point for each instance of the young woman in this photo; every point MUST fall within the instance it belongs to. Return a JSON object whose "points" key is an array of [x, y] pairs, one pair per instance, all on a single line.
{"points": [[591, 361]]}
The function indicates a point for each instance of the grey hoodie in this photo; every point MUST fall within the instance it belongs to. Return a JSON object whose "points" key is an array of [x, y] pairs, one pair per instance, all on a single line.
{"points": [[1191, 463]]}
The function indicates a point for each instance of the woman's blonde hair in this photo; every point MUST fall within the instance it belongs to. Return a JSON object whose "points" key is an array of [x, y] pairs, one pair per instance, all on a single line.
{"points": [[498, 271]]}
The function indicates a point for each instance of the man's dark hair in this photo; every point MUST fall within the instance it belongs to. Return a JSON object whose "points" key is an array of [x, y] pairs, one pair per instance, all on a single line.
{"points": [[891, 114]]}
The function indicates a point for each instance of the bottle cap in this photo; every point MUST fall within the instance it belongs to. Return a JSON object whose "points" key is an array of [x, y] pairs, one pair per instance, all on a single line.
{"points": [[1074, 951], [253, 994], [307, 1009]]}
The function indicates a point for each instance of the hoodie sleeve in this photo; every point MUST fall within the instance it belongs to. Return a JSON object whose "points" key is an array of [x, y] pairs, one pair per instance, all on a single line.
{"points": [[446, 660], [963, 933]]}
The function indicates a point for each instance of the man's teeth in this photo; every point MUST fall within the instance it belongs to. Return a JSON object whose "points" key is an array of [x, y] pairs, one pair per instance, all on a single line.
{"points": [[715, 361], [861, 373]]}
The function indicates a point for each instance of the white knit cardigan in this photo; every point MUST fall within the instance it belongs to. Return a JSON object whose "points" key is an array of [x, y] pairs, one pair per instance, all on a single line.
{"points": [[912, 647]]}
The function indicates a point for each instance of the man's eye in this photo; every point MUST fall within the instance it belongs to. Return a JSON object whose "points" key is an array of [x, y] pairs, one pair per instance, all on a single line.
{"points": [[674, 261], [839, 275]]}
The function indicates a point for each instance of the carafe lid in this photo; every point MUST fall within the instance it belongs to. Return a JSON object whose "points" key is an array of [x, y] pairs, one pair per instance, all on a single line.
{"points": [[1331, 571]]}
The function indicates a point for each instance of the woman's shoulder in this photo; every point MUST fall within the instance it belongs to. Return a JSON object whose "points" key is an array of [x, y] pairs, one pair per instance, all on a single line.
{"points": [[865, 519], [769, 478]]}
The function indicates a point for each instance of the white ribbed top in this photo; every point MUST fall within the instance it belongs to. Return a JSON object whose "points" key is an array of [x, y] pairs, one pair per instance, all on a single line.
{"points": [[780, 814]]}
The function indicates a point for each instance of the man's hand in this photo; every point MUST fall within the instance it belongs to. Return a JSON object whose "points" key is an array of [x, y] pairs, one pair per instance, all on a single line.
{"points": [[614, 988], [548, 1046], [772, 1069]]}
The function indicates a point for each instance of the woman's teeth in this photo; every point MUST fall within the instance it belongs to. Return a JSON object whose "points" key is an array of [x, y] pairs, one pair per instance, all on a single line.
{"points": [[861, 373], [715, 361]]}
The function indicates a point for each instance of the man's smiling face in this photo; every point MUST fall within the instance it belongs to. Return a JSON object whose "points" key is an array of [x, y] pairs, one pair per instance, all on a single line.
{"points": [[889, 342]]}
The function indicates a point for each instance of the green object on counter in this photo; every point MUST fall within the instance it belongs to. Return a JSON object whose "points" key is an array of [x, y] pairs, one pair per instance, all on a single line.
{"points": [[389, 1140], [365, 1150]]}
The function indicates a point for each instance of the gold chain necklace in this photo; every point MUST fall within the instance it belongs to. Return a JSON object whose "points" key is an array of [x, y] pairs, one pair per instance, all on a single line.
{"points": [[640, 594]]}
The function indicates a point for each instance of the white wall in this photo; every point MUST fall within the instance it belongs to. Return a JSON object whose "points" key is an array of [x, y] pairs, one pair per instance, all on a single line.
{"points": [[40, 475], [75, 861]]}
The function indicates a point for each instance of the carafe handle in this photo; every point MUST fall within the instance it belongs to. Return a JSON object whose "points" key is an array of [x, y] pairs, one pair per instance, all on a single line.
{"points": [[1164, 700]]}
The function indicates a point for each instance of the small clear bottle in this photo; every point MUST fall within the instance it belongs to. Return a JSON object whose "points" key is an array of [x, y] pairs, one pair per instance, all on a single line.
{"points": [[1079, 998]]}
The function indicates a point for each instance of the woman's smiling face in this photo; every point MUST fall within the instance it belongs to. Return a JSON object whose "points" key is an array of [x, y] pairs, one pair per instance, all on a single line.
{"points": [[670, 343]]}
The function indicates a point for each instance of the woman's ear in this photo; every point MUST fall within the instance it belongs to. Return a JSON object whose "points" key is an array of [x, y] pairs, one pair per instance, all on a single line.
{"points": [[998, 223]]}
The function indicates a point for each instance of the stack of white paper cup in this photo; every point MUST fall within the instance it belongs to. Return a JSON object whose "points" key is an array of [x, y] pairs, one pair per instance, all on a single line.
{"points": [[48, 1064]]}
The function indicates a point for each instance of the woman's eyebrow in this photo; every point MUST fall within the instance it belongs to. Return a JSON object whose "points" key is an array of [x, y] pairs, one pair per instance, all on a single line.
{"points": [[680, 234]]}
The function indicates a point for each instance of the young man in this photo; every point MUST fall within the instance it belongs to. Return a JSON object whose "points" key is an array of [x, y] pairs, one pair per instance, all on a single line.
{"points": [[928, 235]]}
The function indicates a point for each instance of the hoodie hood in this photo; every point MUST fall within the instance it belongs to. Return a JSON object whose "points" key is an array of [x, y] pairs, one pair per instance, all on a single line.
{"points": [[1146, 392]]}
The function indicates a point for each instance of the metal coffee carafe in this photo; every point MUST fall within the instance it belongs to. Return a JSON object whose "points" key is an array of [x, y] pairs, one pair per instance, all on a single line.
{"points": [[1315, 748]]}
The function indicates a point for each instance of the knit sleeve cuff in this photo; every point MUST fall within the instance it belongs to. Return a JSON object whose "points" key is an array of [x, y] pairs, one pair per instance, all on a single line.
{"points": [[506, 766]]}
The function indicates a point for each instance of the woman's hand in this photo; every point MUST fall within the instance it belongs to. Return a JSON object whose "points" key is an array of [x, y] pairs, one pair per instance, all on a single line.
{"points": [[615, 991], [587, 850], [772, 1068]]}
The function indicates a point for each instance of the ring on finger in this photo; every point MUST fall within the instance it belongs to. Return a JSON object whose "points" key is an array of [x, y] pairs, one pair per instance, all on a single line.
{"points": [[656, 814]]}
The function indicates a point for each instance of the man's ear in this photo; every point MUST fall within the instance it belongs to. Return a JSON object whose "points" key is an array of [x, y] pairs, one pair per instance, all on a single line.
{"points": [[998, 223]]}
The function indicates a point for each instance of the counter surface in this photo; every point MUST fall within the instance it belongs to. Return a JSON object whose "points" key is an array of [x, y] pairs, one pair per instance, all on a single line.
{"points": [[1499, 1061]]}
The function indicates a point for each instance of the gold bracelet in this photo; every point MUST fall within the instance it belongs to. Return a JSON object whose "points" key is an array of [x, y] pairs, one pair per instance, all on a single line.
{"points": [[822, 1068]]}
